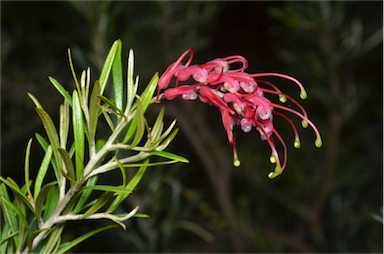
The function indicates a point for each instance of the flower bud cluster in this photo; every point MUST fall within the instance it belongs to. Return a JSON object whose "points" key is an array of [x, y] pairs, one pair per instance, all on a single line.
{"points": [[239, 98]]}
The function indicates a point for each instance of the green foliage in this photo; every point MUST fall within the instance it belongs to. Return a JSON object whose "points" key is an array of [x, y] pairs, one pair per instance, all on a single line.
{"points": [[33, 216]]}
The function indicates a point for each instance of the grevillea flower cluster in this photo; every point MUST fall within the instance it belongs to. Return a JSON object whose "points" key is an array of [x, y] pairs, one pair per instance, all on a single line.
{"points": [[240, 98]]}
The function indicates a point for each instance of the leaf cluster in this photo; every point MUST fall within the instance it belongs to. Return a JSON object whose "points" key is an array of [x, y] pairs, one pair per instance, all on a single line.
{"points": [[33, 216]]}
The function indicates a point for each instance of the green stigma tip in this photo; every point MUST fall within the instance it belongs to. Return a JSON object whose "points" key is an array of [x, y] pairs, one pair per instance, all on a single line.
{"points": [[282, 98], [297, 143], [303, 94], [304, 124], [272, 159], [318, 143], [236, 162], [277, 172]]}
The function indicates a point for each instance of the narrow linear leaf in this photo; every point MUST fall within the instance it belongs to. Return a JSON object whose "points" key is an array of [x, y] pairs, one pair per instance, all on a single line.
{"points": [[107, 66], [152, 164], [52, 135], [117, 189], [140, 123], [156, 141], [26, 168], [73, 70], [33, 236], [9, 216], [69, 245], [169, 155], [130, 187], [5, 239], [147, 95], [100, 202], [85, 194], [112, 105], [61, 90], [122, 170], [42, 171], [158, 126], [53, 240], [168, 140], [131, 86], [16, 210], [68, 164], [109, 121], [94, 111], [117, 76], [40, 199], [64, 123], [35, 101], [78, 135], [51, 202], [42, 141], [17, 192]]}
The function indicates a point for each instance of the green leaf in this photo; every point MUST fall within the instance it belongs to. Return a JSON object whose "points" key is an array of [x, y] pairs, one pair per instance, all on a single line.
{"points": [[26, 168], [158, 126], [42, 141], [16, 190], [40, 199], [122, 170], [156, 140], [51, 202], [78, 134], [85, 195], [33, 236], [171, 156], [54, 239], [68, 165], [114, 109], [107, 66], [117, 189], [37, 103], [100, 202], [152, 164], [94, 111], [61, 90], [168, 140], [42, 171], [64, 123], [130, 187], [73, 71], [9, 215], [131, 86], [140, 123], [117, 76], [5, 239], [52, 136], [15, 210], [69, 245], [147, 95], [144, 100]]}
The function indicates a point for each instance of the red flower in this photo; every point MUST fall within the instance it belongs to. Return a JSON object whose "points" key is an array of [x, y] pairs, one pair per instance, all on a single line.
{"points": [[239, 98]]}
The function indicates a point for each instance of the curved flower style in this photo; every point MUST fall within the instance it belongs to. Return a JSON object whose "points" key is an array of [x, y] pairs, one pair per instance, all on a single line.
{"points": [[240, 99]]}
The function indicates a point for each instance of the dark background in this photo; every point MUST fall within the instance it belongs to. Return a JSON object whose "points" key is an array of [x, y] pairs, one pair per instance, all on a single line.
{"points": [[326, 200]]}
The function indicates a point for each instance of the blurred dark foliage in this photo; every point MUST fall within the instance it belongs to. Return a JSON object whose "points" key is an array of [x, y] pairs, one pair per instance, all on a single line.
{"points": [[327, 199]]}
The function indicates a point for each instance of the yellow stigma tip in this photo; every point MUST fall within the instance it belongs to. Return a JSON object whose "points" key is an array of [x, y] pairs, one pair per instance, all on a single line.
{"points": [[282, 98], [277, 172], [236, 163], [303, 94], [272, 159], [318, 143], [297, 144], [304, 124]]}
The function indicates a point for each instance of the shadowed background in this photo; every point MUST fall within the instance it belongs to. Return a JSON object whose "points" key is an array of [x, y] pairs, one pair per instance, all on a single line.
{"points": [[328, 198]]}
